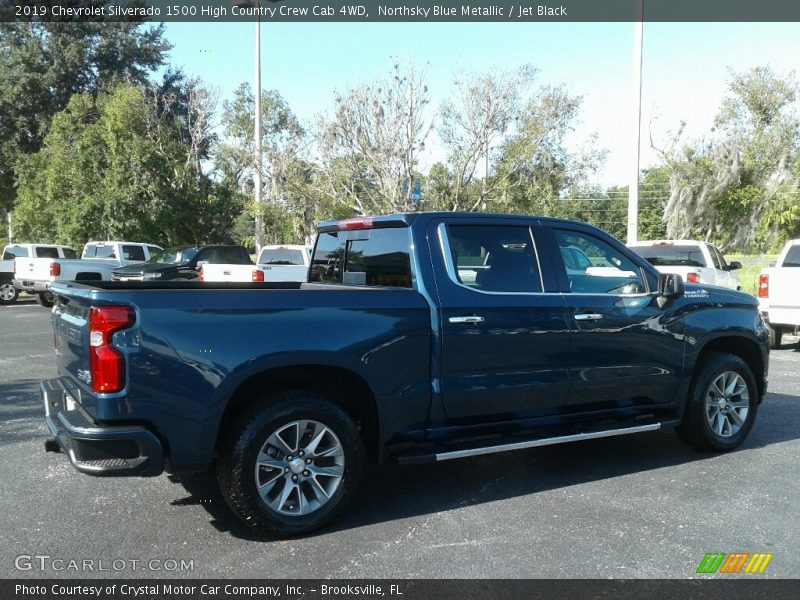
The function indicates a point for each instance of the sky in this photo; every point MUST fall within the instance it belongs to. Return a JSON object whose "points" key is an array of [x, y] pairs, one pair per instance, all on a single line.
{"points": [[685, 67]]}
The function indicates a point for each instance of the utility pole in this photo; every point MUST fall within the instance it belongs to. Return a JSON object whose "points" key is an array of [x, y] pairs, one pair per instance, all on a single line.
{"points": [[633, 185], [257, 135]]}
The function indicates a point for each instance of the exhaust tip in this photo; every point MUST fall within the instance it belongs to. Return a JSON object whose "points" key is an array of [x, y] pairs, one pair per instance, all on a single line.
{"points": [[51, 445]]}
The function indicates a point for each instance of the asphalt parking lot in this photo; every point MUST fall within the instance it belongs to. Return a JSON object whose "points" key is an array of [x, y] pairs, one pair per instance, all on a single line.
{"points": [[635, 506]]}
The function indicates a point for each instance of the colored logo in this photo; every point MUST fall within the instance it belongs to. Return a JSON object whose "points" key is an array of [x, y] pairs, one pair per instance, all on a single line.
{"points": [[735, 562]]}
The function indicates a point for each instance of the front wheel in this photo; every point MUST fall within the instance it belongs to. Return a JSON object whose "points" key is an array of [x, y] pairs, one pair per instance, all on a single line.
{"points": [[290, 464], [8, 293], [722, 404], [46, 299]]}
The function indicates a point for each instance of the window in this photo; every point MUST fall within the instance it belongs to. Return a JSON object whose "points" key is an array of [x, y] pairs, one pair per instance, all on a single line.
{"points": [[48, 252], [12, 252], [715, 258], [133, 253], [722, 262], [495, 258], [155, 251], [99, 251], [792, 257], [671, 255], [601, 268], [281, 256], [234, 255], [69, 253], [379, 257]]}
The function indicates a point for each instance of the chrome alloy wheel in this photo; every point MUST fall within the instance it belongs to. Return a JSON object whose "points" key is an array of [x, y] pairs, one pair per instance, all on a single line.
{"points": [[727, 404], [7, 292], [299, 468]]}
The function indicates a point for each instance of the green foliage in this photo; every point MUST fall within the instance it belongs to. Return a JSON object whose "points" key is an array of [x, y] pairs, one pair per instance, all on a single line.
{"points": [[114, 168]]}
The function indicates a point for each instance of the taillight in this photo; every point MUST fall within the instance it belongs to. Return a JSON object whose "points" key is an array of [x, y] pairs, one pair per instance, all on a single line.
{"points": [[258, 275], [201, 277], [55, 269], [693, 278], [356, 223], [106, 363], [763, 286]]}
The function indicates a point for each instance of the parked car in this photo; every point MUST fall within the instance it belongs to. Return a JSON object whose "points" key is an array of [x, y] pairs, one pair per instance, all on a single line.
{"points": [[695, 261], [779, 293], [98, 260], [275, 264], [8, 292], [390, 354], [182, 262]]}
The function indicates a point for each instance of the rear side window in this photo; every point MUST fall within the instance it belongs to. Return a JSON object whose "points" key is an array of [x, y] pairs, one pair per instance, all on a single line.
{"points": [[13, 252], [371, 257], [670, 255], [494, 258], [133, 253]]}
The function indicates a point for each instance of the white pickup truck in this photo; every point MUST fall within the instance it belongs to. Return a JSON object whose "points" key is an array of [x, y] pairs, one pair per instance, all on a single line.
{"points": [[98, 260], [279, 263], [779, 293], [693, 260], [8, 293]]}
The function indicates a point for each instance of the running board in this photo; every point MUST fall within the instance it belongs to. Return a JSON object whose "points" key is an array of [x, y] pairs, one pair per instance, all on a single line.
{"points": [[562, 439]]}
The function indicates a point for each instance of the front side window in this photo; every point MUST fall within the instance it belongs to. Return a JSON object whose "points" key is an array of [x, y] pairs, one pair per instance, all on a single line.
{"points": [[69, 253], [133, 253], [175, 256], [601, 269], [371, 257], [494, 258]]}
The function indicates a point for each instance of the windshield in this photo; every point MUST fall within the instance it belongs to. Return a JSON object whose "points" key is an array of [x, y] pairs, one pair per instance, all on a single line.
{"points": [[280, 256], [174, 256], [664, 255]]}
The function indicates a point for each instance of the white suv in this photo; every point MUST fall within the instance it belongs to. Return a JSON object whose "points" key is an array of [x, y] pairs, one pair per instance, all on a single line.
{"points": [[695, 261]]}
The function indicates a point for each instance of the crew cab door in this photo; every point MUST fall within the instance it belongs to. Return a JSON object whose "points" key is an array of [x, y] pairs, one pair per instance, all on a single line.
{"points": [[626, 351], [504, 341]]}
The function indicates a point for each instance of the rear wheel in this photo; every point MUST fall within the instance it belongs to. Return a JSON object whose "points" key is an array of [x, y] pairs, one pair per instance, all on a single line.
{"points": [[722, 404], [8, 293], [46, 299], [290, 464], [775, 337]]}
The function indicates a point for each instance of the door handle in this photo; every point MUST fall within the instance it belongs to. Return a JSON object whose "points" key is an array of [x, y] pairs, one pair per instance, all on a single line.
{"points": [[588, 317], [469, 319]]}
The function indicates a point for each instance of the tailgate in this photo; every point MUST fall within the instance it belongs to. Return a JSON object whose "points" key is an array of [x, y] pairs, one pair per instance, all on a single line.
{"points": [[71, 337], [32, 269], [284, 272], [228, 273], [784, 295]]}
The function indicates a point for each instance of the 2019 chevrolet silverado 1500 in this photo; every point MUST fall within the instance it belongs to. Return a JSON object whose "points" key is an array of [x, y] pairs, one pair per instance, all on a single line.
{"points": [[419, 337]]}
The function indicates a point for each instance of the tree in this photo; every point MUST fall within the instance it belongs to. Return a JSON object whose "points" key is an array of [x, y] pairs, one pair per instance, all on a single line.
{"points": [[42, 65], [370, 148], [117, 166], [735, 186]]}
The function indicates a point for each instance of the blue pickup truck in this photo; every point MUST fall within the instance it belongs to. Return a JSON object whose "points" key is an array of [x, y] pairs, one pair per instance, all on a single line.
{"points": [[417, 338]]}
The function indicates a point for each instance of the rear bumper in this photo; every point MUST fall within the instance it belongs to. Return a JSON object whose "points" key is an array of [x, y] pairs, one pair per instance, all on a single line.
{"points": [[94, 448], [27, 285]]}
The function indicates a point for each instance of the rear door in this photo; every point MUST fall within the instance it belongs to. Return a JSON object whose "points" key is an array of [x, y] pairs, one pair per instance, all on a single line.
{"points": [[504, 340], [625, 350]]}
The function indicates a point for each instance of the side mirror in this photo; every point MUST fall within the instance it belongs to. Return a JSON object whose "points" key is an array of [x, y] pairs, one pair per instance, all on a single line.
{"points": [[670, 285], [733, 265]]}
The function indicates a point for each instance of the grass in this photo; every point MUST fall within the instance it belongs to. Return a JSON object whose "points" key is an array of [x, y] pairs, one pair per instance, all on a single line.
{"points": [[751, 267]]}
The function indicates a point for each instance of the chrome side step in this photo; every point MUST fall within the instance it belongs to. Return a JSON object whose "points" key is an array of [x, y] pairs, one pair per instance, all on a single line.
{"points": [[562, 439]]}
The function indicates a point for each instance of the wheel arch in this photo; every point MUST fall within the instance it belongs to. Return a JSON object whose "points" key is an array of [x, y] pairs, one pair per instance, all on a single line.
{"points": [[742, 346], [345, 388]]}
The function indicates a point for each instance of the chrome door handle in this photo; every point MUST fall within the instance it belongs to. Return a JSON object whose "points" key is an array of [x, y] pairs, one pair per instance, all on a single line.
{"points": [[470, 319], [588, 317]]}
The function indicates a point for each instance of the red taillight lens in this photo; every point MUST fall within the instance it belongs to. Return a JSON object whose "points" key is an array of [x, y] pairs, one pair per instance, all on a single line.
{"points": [[357, 223], [106, 363], [693, 278], [763, 286], [201, 277], [258, 275], [55, 269]]}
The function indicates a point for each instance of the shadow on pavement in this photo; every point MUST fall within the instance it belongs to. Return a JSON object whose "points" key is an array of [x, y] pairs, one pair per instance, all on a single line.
{"points": [[391, 492]]}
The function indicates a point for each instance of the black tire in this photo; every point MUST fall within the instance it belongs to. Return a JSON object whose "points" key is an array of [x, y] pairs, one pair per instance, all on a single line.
{"points": [[695, 427], [775, 337], [8, 293], [243, 440], [46, 299]]}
